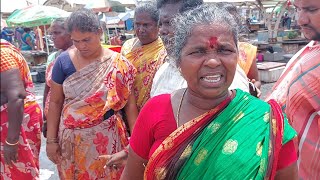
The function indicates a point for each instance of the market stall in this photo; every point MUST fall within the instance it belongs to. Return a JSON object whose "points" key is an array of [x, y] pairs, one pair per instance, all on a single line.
{"points": [[36, 16]]}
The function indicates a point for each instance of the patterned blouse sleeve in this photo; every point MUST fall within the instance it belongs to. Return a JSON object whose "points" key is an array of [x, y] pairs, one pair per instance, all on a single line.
{"points": [[121, 79], [7, 61]]}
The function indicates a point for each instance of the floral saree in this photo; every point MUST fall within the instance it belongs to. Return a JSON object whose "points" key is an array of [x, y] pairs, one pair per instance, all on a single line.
{"points": [[27, 166], [87, 128], [234, 135], [247, 54], [147, 59]]}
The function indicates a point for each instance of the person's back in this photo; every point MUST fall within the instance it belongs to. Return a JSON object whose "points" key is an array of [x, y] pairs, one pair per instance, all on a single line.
{"points": [[7, 34], [298, 91], [27, 40], [21, 117]]}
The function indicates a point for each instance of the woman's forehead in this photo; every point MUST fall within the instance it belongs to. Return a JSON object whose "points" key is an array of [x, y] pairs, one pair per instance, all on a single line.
{"points": [[78, 35], [216, 29], [204, 33]]}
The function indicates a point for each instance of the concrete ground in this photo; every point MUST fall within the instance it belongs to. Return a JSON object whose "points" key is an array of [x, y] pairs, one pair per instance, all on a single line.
{"points": [[48, 169]]}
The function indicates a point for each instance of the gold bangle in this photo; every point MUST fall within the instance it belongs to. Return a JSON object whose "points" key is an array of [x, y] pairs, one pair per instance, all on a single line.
{"points": [[10, 144]]}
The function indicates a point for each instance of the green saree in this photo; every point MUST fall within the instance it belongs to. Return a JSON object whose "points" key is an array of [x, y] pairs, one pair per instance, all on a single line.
{"points": [[232, 141]]}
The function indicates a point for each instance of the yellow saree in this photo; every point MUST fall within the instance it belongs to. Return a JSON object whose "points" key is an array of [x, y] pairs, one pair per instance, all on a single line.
{"points": [[146, 59], [247, 54]]}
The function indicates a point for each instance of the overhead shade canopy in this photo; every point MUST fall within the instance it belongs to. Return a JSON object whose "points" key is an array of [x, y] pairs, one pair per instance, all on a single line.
{"points": [[35, 16]]}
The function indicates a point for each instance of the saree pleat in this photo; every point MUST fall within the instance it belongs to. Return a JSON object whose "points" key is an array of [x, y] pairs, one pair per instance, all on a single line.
{"points": [[84, 134]]}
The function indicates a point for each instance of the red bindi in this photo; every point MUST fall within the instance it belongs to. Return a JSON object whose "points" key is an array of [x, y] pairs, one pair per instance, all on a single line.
{"points": [[213, 42]]}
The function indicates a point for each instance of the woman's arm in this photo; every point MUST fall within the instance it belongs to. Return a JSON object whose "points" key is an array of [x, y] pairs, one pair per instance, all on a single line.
{"points": [[135, 167], [55, 108], [12, 86], [131, 111], [253, 74], [45, 94], [53, 121]]}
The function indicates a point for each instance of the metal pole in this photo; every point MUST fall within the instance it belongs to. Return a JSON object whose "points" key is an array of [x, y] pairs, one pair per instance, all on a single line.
{"points": [[45, 35]]}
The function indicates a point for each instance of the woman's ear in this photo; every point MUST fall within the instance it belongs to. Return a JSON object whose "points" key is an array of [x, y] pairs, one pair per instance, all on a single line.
{"points": [[100, 32]]}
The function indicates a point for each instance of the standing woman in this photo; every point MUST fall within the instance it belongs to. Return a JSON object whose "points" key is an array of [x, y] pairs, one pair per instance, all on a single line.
{"points": [[207, 131], [27, 43], [20, 117], [62, 41], [146, 52], [90, 86]]}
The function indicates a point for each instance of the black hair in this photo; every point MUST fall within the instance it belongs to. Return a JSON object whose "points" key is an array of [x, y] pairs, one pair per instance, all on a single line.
{"points": [[84, 20], [186, 4], [148, 8]]}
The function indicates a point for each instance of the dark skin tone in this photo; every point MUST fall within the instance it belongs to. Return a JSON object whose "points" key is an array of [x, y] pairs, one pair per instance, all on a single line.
{"points": [[87, 50], [13, 91], [145, 28], [136, 163], [214, 56], [61, 40], [253, 75]]}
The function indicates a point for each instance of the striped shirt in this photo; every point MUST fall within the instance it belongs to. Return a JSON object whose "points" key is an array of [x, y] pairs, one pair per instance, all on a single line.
{"points": [[298, 92]]}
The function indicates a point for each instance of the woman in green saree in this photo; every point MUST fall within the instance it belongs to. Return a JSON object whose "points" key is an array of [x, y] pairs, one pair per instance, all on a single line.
{"points": [[207, 131]]}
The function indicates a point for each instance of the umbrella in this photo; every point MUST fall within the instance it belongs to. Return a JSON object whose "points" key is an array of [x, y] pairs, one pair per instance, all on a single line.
{"points": [[35, 16]]}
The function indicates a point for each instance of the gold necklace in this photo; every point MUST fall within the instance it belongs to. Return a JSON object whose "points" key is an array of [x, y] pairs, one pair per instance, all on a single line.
{"points": [[179, 108]]}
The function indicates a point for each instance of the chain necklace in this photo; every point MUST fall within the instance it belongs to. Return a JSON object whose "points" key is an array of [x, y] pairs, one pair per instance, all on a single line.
{"points": [[179, 108]]}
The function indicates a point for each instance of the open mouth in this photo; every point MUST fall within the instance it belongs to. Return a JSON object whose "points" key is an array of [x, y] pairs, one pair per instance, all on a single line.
{"points": [[212, 78]]}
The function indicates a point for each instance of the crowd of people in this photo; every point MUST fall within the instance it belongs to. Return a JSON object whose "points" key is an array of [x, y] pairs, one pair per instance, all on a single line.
{"points": [[24, 38], [180, 101]]}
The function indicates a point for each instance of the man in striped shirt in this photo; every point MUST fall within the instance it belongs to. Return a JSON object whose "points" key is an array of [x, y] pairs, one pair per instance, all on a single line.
{"points": [[298, 91]]}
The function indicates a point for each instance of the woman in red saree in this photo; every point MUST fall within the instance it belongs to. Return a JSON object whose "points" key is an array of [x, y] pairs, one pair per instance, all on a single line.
{"points": [[207, 131], [21, 117], [90, 86]]}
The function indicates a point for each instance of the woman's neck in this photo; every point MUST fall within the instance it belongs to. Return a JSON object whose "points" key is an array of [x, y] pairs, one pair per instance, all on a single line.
{"points": [[96, 55], [204, 103], [67, 46]]}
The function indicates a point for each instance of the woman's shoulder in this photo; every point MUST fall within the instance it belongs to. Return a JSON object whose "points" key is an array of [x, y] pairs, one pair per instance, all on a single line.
{"points": [[159, 105], [63, 55], [157, 110], [65, 63], [250, 100], [159, 102]]}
